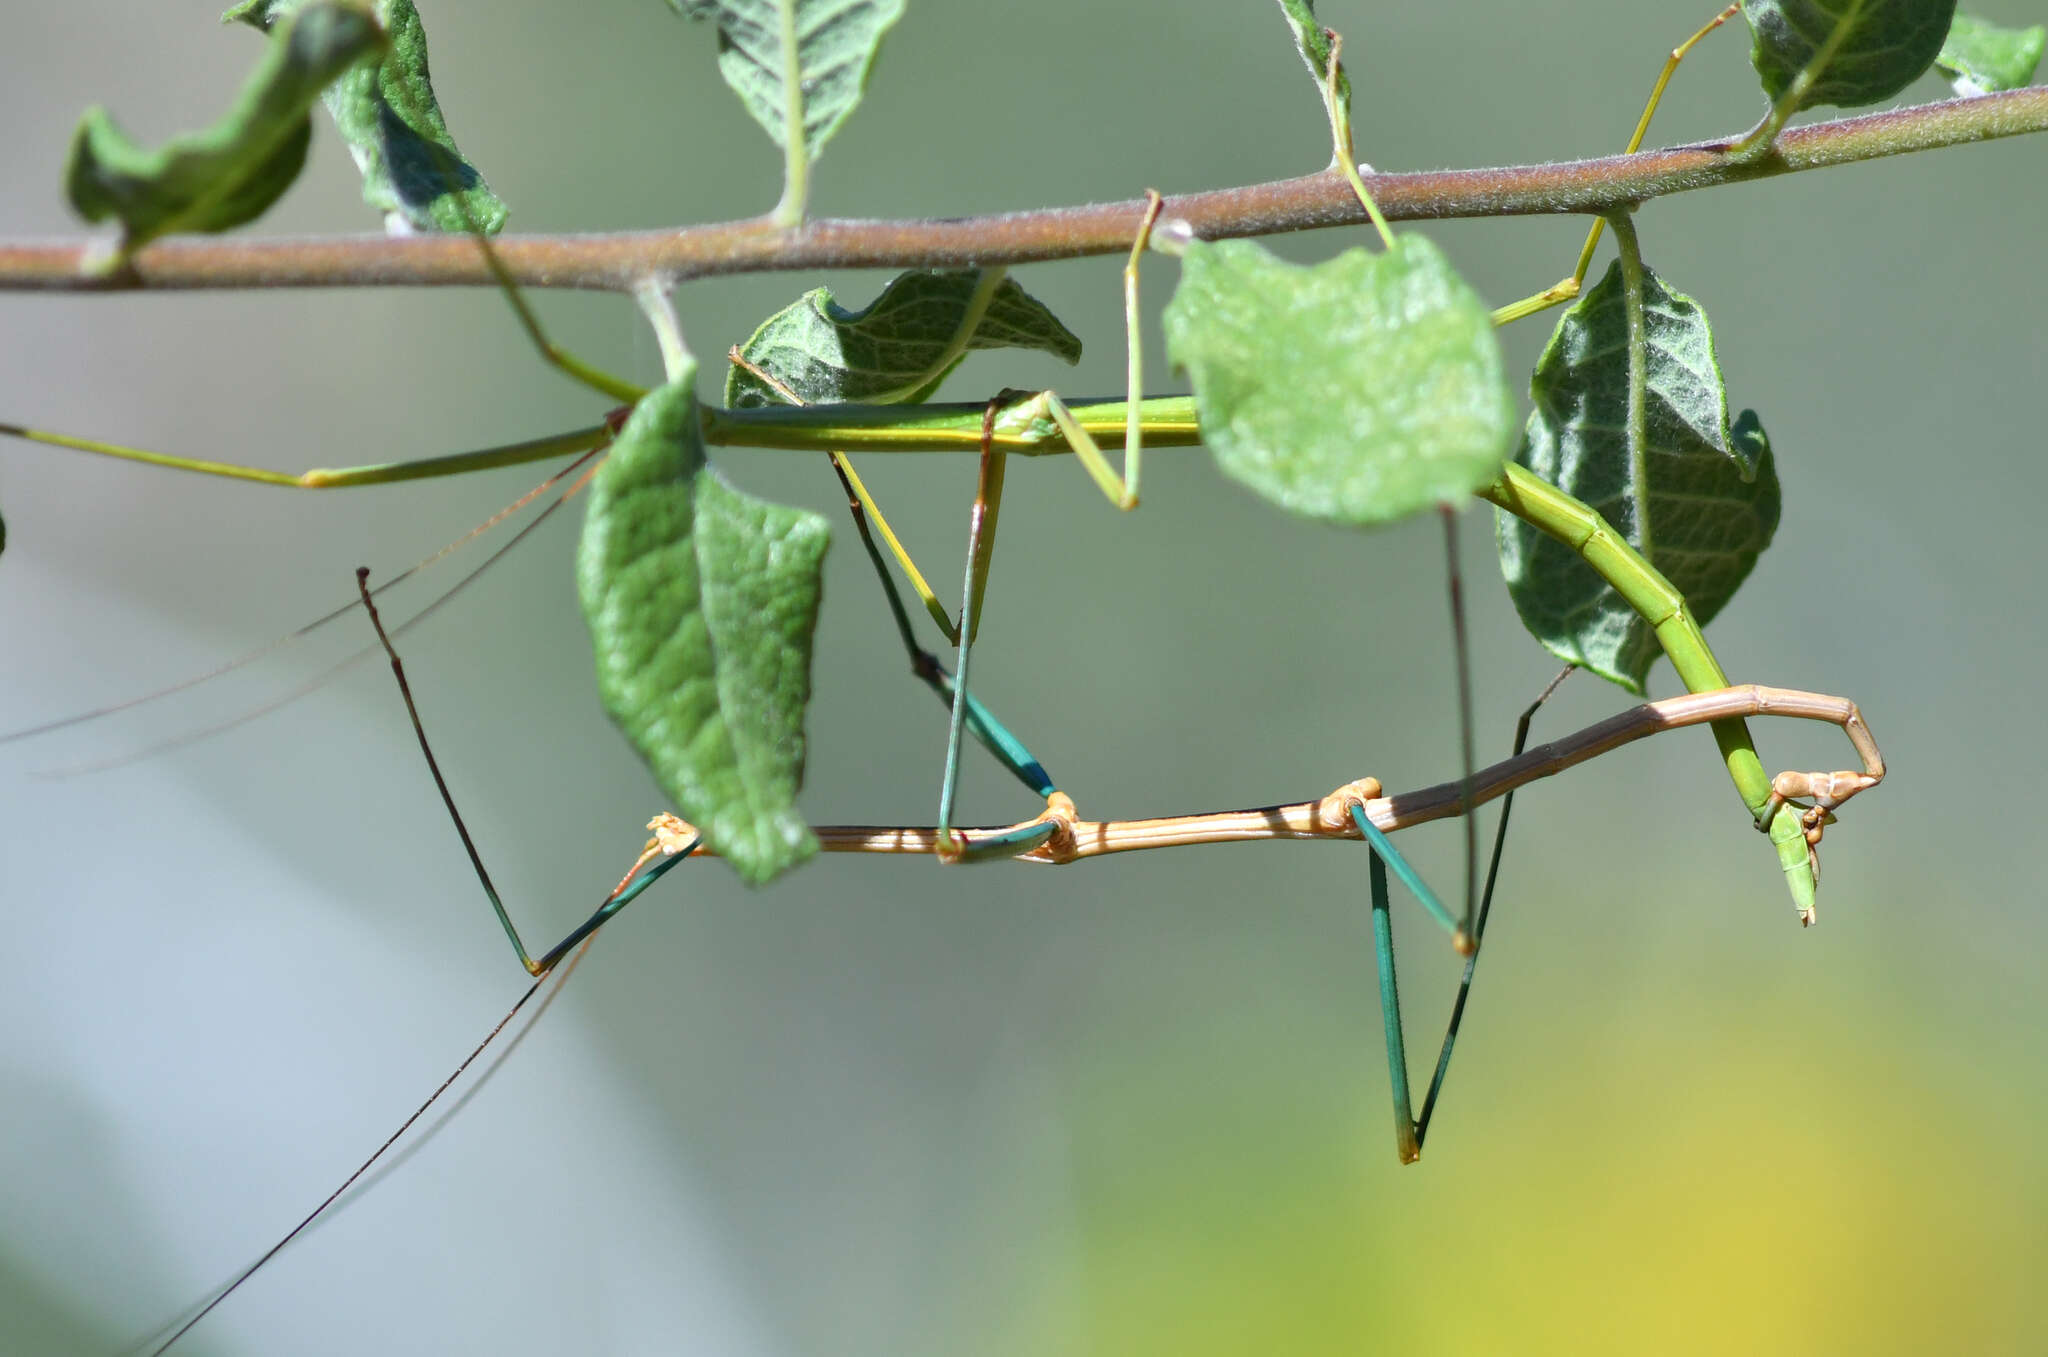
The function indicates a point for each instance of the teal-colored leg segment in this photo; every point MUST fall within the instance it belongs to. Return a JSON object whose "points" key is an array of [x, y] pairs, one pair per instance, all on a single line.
{"points": [[1008, 843], [983, 725], [1464, 936], [1383, 847], [1406, 1143], [993, 734], [610, 907], [950, 778]]}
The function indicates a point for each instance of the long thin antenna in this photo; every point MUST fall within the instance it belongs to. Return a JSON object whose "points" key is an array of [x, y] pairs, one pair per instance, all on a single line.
{"points": [[328, 674], [350, 1181], [364, 1185], [251, 656]]}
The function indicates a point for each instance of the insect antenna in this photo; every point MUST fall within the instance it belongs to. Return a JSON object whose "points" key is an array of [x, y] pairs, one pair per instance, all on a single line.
{"points": [[325, 676]]}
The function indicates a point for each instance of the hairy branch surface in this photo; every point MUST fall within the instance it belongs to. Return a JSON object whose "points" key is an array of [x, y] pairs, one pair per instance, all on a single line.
{"points": [[621, 261]]}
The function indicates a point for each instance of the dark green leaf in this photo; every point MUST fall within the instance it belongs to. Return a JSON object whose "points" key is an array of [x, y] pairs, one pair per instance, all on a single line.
{"points": [[1314, 45], [1884, 45], [1702, 506], [1979, 57], [1357, 391], [233, 171], [412, 171], [897, 348], [701, 602], [820, 49]]}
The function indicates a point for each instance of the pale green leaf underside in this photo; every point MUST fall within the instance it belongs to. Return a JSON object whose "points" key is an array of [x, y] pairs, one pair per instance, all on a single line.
{"points": [[233, 171], [702, 602], [387, 112], [1979, 57], [823, 49], [1357, 391], [1314, 46], [1889, 43], [1707, 498], [898, 347]]}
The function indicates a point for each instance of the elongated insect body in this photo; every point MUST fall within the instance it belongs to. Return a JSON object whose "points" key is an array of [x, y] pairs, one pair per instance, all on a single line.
{"points": [[787, 1120]]}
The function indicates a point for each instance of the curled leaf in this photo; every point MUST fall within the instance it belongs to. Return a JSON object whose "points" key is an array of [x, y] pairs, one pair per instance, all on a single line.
{"points": [[1356, 391], [1701, 502], [898, 347], [1862, 50], [387, 112], [702, 602], [1980, 57], [233, 171]]}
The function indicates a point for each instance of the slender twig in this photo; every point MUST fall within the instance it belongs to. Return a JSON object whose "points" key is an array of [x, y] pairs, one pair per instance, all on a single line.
{"points": [[620, 261], [1329, 816]]}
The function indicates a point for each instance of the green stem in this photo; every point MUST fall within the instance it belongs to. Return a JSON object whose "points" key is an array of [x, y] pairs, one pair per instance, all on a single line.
{"points": [[1346, 157], [1638, 434], [796, 157], [660, 310], [1755, 142]]}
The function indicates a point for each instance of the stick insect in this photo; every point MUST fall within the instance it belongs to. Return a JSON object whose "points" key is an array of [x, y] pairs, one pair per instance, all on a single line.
{"points": [[1046, 837]]}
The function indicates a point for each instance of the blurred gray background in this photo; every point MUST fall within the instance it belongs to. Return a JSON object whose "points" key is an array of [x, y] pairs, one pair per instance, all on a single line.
{"points": [[1135, 1106]]}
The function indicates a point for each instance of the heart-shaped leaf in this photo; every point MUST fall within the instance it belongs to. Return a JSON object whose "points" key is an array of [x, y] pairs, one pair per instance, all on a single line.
{"points": [[897, 348], [1881, 47], [1701, 502], [799, 66], [702, 602], [1356, 391], [1979, 57], [233, 171], [387, 112]]}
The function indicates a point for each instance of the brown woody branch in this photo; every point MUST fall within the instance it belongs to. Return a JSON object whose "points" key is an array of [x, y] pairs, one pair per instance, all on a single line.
{"points": [[618, 261]]}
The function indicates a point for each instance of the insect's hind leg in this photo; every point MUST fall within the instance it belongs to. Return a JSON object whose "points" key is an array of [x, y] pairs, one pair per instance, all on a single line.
{"points": [[1478, 925]]}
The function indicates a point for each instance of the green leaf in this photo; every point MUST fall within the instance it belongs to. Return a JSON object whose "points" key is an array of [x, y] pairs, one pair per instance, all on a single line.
{"points": [[1357, 391], [797, 63], [1981, 57], [412, 171], [897, 348], [1883, 46], [702, 602], [1702, 506], [233, 171], [1314, 45]]}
